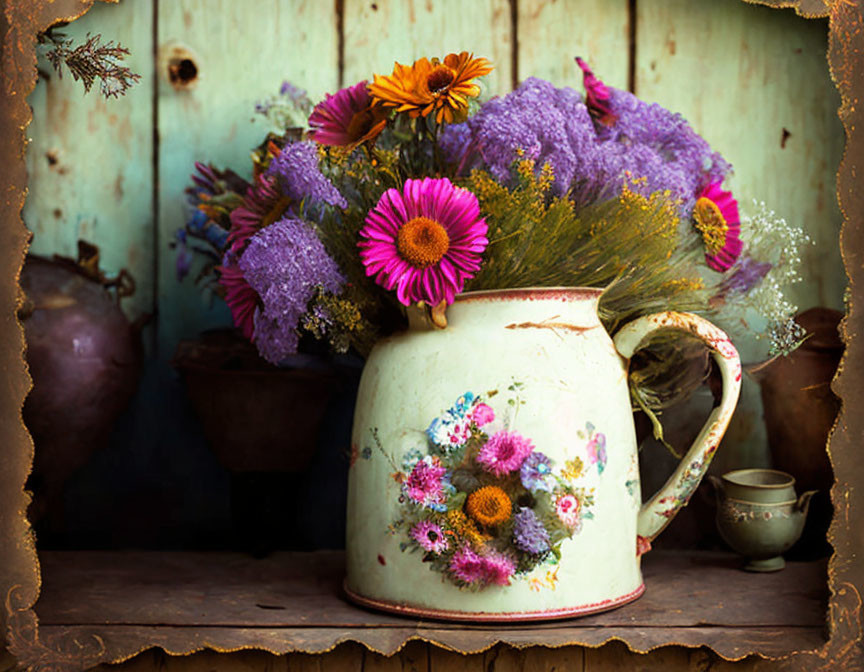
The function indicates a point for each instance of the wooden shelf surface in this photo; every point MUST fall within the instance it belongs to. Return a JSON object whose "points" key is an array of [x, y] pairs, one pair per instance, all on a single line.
{"points": [[182, 602]]}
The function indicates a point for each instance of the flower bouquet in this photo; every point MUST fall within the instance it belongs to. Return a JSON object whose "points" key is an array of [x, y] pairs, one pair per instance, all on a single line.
{"points": [[479, 478], [406, 191], [389, 199]]}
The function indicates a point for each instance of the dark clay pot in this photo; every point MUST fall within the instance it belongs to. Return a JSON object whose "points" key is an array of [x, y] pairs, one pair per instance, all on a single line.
{"points": [[262, 424], [800, 410], [85, 361], [255, 416]]}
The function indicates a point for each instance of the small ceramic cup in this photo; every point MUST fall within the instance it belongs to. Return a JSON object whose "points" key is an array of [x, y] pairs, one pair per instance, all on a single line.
{"points": [[759, 515]]}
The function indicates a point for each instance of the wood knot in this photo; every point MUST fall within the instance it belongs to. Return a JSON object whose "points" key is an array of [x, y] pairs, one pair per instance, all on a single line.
{"points": [[180, 66]]}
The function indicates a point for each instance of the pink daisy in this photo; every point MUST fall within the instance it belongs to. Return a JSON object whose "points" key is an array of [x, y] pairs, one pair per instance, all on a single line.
{"points": [[424, 242], [467, 566], [346, 118], [430, 536], [596, 96], [498, 569], [470, 567], [425, 483], [716, 215], [504, 452], [239, 295]]}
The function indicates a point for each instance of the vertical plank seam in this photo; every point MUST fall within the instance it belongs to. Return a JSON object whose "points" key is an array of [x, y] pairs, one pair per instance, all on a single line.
{"points": [[340, 40], [514, 43], [155, 180], [631, 45]]}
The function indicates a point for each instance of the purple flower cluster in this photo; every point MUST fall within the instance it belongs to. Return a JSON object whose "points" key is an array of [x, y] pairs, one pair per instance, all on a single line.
{"points": [[662, 147], [285, 263], [295, 93], [296, 168], [591, 162], [529, 533], [546, 124], [535, 472], [456, 143]]}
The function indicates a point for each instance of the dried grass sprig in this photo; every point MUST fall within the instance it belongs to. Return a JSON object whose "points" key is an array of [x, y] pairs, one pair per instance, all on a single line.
{"points": [[91, 61]]}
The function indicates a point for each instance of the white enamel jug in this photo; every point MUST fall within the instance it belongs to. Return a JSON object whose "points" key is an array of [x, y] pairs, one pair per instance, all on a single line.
{"points": [[494, 466]]}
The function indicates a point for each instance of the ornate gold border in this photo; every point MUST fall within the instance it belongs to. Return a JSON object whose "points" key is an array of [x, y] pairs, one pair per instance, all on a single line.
{"points": [[19, 569], [20, 579]]}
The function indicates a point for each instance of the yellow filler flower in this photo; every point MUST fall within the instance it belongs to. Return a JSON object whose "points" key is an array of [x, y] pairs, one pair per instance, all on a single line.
{"points": [[431, 86]]}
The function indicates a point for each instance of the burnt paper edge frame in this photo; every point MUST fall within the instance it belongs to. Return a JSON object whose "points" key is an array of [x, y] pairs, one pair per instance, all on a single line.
{"points": [[20, 579]]}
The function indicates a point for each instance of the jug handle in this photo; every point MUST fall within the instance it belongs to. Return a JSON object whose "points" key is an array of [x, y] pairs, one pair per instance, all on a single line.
{"points": [[658, 511]]}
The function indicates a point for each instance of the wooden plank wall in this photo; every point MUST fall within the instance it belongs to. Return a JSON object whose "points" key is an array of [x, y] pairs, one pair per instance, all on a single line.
{"points": [[114, 172], [753, 82]]}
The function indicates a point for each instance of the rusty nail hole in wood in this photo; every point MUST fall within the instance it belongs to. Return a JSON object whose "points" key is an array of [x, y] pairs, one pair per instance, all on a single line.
{"points": [[51, 157], [786, 135], [58, 213], [182, 72], [374, 7]]}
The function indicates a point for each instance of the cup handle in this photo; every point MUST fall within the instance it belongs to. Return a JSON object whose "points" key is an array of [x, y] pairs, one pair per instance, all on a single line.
{"points": [[657, 512]]}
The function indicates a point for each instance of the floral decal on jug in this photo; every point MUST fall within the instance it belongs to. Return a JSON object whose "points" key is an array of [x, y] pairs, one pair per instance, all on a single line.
{"points": [[484, 504], [596, 447]]}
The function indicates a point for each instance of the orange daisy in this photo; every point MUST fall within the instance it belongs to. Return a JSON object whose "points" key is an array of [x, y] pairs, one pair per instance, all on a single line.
{"points": [[431, 86], [489, 506]]}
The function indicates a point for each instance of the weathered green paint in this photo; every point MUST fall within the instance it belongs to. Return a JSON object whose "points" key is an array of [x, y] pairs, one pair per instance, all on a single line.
{"points": [[90, 160], [242, 54], [379, 32], [553, 32]]}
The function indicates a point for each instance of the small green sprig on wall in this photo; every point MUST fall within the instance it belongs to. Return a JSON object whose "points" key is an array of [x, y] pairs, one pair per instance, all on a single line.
{"points": [[90, 61]]}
